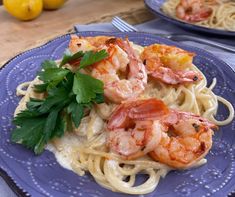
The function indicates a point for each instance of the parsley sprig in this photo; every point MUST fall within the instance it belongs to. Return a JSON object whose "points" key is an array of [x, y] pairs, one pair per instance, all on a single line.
{"points": [[68, 95]]}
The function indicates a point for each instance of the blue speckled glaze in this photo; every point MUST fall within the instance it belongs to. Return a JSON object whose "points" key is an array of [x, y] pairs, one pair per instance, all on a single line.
{"points": [[43, 176], [155, 7]]}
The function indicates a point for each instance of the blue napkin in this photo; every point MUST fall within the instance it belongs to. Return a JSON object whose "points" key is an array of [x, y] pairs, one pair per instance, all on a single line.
{"points": [[160, 26]]}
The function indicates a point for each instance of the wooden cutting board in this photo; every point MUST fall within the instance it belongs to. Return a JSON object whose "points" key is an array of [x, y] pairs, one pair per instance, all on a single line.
{"points": [[17, 36]]}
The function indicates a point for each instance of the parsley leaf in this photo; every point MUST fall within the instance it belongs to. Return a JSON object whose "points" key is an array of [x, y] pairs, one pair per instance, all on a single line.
{"points": [[91, 57], [58, 97], [99, 98], [50, 124], [53, 74], [35, 130], [48, 64], [41, 87], [68, 94], [29, 132], [69, 57], [59, 127], [86, 87], [77, 112]]}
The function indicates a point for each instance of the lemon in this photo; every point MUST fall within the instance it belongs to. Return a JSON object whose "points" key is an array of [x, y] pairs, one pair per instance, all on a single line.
{"points": [[52, 4], [24, 9]]}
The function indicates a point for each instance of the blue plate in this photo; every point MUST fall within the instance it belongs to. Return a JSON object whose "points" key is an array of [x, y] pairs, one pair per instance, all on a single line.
{"points": [[155, 7], [43, 176]]}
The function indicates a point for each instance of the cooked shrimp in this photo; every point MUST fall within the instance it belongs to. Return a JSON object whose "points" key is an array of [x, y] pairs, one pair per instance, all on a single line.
{"points": [[80, 44], [186, 140], [169, 64], [179, 115], [121, 63], [134, 143], [193, 10], [134, 129], [99, 41]]}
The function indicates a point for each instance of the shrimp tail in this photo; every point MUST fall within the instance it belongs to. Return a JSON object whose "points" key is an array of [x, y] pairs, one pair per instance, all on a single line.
{"points": [[208, 124], [174, 117], [172, 77]]}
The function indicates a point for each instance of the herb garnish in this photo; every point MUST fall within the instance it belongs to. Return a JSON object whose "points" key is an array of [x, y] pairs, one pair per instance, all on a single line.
{"points": [[68, 95]]}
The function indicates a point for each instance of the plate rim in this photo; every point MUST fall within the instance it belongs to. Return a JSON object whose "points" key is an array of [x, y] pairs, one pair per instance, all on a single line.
{"points": [[186, 25], [5, 173]]}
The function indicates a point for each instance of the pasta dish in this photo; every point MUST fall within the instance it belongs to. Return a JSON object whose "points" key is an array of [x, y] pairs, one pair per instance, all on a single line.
{"points": [[218, 14], [117, 109]]}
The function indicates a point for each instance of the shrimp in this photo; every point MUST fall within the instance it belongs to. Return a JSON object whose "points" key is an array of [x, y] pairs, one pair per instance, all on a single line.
{"points": [[134, 129], [169, 64], [99, 41], [178, 139], [80, 44], [123, 73], [121, 63], [193, 10], [186, 139]]}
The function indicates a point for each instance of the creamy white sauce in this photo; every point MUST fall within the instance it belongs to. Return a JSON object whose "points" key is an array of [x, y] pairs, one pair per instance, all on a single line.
{"points": [[64, 147], [200, 163], [60, 157]]}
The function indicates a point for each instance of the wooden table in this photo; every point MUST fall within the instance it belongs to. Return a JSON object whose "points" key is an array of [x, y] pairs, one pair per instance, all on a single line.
{"points": [[17, 36]]}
